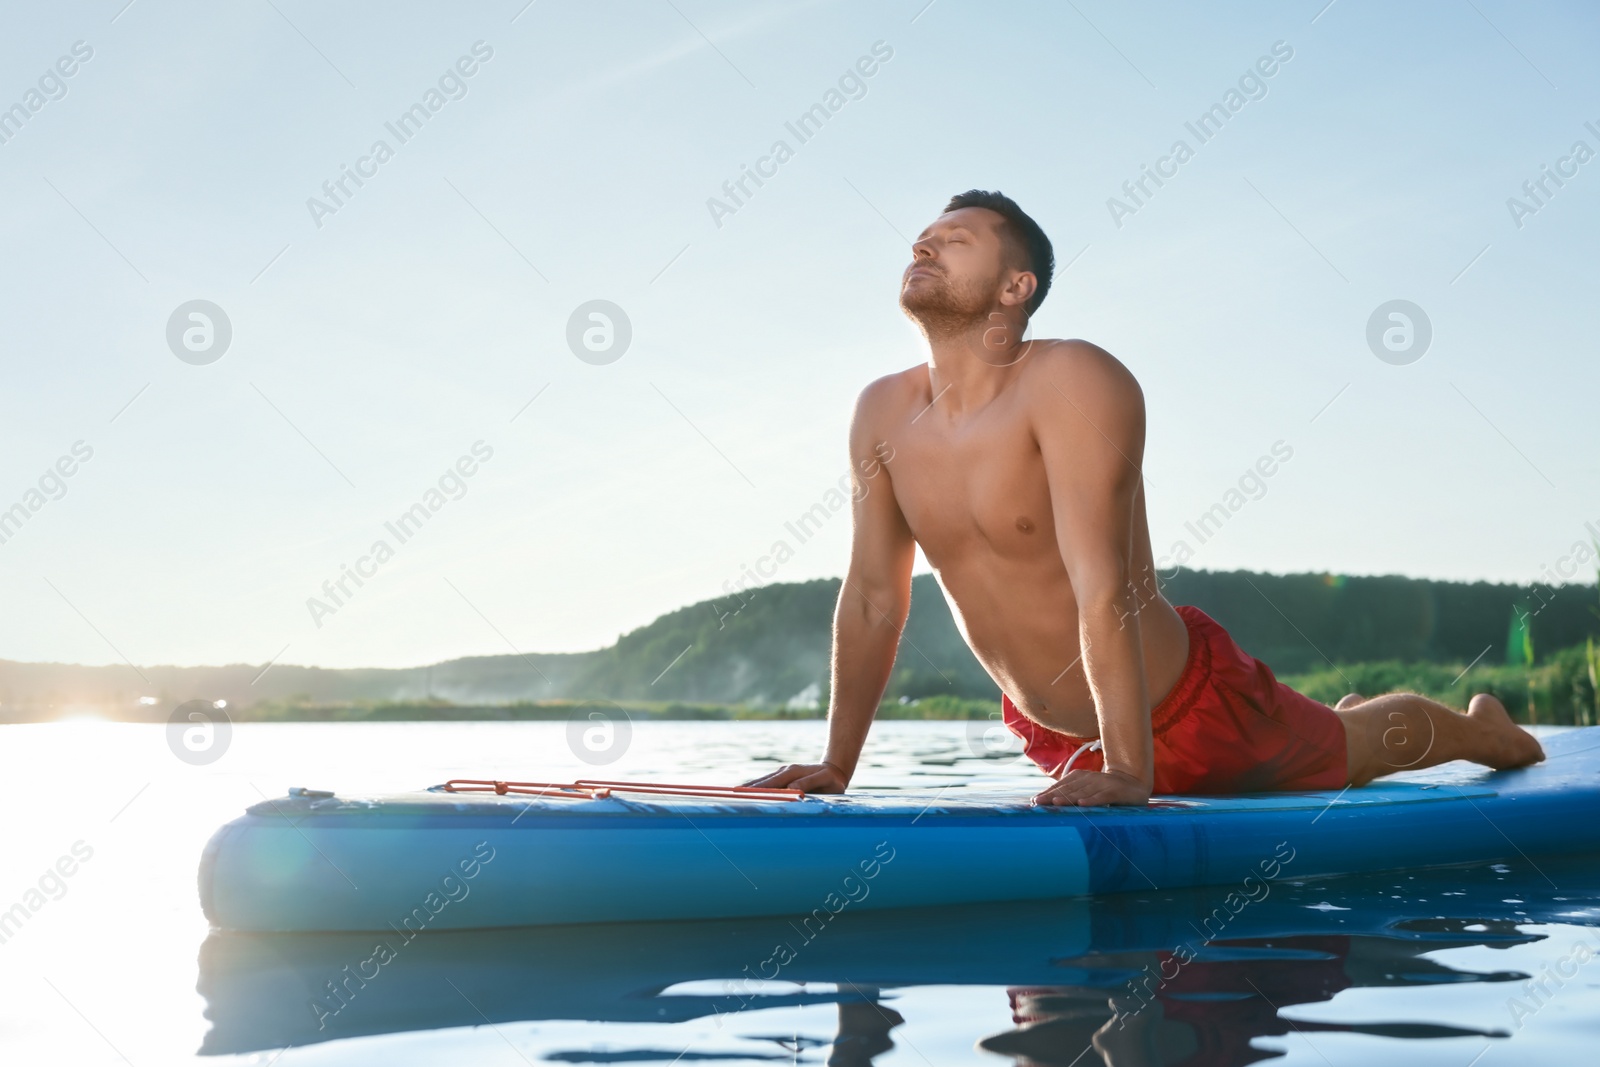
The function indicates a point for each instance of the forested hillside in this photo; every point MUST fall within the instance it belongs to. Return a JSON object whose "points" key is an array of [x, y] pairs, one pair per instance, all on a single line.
{"points": [[776, 643], [770, 647]]}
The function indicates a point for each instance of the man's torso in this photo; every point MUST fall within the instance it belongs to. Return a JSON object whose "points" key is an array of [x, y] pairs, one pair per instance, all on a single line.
{"points": [[975, 494]]}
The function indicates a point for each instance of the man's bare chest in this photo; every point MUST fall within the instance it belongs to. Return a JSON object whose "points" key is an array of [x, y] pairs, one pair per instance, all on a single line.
{"points": [[979, 488]]}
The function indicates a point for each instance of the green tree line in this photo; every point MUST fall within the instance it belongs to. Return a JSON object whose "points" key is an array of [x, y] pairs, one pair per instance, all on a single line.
{"points": [[768, 645]]}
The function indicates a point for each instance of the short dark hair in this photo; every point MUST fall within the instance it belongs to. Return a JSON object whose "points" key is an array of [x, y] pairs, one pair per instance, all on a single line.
{"points": [[1019, 227]]}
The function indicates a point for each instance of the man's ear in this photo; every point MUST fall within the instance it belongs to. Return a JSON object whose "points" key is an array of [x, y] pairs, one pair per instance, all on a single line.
{"points": [[1020, 289]]}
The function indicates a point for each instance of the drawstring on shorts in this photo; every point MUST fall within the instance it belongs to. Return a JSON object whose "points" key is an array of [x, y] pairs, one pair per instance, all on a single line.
{"points": [[1087, 746]]}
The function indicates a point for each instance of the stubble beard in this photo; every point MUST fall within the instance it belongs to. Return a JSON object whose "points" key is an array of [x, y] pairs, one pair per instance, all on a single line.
{"points": [[945, 309]]}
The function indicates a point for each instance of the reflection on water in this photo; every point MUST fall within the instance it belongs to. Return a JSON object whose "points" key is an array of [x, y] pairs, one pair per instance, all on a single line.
{"points": [[1371, 972], [1118, 981], [1211, 1009]]}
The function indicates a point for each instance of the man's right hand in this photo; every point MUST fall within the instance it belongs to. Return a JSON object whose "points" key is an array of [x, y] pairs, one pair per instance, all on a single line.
{"points": [[811, 777]]}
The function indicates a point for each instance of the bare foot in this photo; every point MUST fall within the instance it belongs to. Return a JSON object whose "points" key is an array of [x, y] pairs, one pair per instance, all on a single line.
{"points": [[1349, 700], [1506, 744]]}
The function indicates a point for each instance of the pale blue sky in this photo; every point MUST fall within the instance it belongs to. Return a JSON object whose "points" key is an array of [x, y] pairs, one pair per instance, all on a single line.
{"points": [[374, 351]]}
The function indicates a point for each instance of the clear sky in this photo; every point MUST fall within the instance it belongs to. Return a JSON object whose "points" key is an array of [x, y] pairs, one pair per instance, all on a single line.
{"points": [[380, 334]]}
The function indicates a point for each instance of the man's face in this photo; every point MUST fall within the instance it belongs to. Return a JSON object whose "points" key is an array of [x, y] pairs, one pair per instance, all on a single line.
{"points": [[956, 270]]}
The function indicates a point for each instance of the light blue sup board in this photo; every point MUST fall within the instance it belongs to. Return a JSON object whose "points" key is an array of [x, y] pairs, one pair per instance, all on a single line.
{"points": [[436, 860]]}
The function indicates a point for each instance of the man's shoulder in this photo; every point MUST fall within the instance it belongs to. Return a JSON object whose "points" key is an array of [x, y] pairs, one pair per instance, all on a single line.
{"points": [[1073, 356], [1077, 367], [891, 391]]}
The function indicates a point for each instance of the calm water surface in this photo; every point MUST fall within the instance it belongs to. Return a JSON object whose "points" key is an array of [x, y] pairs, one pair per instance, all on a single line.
{"points": [[1489, 964]]}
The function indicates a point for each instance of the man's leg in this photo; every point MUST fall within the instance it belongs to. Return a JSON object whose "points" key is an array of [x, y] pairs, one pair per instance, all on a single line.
{"points": [[1404, 731]]}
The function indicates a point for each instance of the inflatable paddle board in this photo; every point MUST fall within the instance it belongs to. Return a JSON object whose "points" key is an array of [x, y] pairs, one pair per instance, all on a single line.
{"points": [[449, 860]]}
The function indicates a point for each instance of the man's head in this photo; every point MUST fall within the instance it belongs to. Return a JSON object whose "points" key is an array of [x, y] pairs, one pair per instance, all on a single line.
{"points": [[983, 253]]}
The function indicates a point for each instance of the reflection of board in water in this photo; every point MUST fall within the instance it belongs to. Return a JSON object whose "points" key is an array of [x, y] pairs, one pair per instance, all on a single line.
{"points": [[1073, 964]]}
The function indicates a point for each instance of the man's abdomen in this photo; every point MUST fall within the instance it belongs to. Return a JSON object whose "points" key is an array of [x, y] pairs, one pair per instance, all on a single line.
{"points": [[1024, 629]]}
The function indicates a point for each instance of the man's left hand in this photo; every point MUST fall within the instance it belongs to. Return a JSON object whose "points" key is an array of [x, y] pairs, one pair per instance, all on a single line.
{"points": [[1089, 789]]}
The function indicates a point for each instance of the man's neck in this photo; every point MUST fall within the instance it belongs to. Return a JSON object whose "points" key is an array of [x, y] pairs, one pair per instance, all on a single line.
{"points": [[966, 366]]}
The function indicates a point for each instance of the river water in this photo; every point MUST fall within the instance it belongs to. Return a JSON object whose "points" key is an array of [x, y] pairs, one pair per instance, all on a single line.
{"points": [[106, 957]]}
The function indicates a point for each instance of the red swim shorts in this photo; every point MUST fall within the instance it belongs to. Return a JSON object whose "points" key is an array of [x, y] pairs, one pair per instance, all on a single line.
{"points": [[1228, 726]]}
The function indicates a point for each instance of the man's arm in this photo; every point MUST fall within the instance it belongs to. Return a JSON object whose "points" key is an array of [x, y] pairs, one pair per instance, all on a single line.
{"points": [[873, 602], [1090, 427]]}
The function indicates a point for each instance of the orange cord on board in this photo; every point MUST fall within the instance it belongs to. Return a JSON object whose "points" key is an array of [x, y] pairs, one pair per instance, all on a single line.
{"points": [[597, 789]]}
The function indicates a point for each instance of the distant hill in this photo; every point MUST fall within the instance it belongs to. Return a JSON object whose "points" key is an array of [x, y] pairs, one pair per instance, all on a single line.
{"points": [[771, 648], [28, 688]]}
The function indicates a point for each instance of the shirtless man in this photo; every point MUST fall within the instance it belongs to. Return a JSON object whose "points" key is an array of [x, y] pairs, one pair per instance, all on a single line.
{"points": [[1016, 465]]}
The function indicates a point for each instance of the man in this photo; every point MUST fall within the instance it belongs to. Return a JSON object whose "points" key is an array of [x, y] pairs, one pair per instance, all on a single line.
{"points": [[1015, 465]]}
